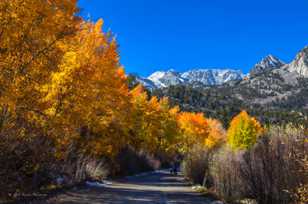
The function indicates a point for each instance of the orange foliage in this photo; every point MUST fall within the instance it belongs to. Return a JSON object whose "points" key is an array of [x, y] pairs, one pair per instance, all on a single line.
{"points": [[89, 92], [217, 133], [61, 81], [195, 129]]}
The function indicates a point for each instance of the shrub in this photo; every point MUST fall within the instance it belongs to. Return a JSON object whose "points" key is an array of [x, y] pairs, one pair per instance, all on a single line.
{"points": [[24, 164], [78, 168], [225, 174], [273, 171], [130, 161], [196, 164]]}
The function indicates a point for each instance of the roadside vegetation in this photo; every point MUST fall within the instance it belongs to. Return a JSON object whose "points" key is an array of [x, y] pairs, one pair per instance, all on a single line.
{"points": [[66, 111], [68, 114], [265, 165]]}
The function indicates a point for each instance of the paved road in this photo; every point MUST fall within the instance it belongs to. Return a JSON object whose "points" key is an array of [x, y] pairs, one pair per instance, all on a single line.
{"points": [[155, 188]]}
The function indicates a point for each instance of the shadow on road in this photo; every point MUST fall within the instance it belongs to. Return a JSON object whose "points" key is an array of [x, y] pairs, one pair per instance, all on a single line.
{"points": [[155, 188]]}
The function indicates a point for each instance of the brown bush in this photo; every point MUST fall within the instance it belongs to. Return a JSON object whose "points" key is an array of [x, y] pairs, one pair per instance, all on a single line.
{"points": [[273, 171], [196, 164], [24, 164], [77, 168], [130, 161], [28, 162], [225, 174]]}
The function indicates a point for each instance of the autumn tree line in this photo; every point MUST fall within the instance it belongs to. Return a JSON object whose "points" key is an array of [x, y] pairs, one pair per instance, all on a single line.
{"points": [[253, 164], [67, 114]]}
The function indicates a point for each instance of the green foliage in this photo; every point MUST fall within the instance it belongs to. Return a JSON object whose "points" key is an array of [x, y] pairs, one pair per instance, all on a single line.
{"points": [[261, 98], [243, 131]]}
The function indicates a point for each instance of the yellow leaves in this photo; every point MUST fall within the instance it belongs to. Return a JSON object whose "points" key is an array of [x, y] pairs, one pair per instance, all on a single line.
{"points": [[32, 33], [98, 26], [137, 92], [68, 66], [243, 131], [89, 89], [174, 111], [154, 122], [66, 77]]}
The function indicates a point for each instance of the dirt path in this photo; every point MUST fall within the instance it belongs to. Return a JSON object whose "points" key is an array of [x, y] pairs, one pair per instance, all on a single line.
{"points": [[155, 188]]}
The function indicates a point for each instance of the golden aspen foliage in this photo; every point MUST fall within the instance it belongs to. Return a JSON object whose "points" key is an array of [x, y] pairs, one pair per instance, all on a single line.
{"points": [[139, 100], [172, 133], [217, 133], [195, 129], [243, 131], [89, 93], [66, 109], [169, 138], [31, 35], [154, 122]]}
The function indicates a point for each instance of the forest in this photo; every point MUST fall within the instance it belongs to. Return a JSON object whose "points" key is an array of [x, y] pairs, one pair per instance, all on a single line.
{"points": [[67, 111]]}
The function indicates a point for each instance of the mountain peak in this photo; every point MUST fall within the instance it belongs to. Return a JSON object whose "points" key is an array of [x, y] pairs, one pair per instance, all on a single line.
{"points": [[218, 76], [300, 63], [212, 76], [166, 78], [302, 54], [163, 79], [171, 71], [269, 62]]}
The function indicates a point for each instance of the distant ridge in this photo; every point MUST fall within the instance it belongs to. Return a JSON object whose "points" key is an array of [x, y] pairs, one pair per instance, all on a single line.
{"points": [[213, 77], [163, 79]]}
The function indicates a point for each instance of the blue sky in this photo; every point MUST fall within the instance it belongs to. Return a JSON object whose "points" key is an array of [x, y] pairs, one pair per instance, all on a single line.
{"points": [[183, 34]]}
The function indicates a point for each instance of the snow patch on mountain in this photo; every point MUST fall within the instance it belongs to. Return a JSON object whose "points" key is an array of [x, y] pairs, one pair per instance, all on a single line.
{"points": [[212, 76], [268, 63], [268, 66], [163, 79], [146, 82], [300, 63]]}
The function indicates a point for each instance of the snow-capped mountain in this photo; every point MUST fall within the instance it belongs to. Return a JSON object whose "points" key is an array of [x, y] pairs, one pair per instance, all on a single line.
{"points": [[273, 91], [163, 79], [300, 63], [264, 70], [268, 63], [146, 82], [212, 76]]}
